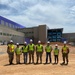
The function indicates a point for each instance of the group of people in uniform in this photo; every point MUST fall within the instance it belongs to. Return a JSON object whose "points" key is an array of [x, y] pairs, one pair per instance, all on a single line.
{"points": [[30, 49]]}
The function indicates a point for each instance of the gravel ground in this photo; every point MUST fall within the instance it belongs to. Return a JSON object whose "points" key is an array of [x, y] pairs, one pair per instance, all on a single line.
{"points": [[40, 69]]}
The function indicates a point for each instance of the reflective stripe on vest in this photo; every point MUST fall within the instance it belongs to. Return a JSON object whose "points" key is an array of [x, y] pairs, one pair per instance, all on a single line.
{"points": [[11, 48], [31, 47], [25, 48], [18, 51], [65, 49], [48, 48], [39, 48], [56, 51]]}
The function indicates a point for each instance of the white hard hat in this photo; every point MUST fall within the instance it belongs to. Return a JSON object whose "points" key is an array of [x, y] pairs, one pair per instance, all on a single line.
{"points": [[65, 42], [56, 45], [11, 40], [17, 43], [31, 40], [25, 42], [39, 41], [48, 42]]}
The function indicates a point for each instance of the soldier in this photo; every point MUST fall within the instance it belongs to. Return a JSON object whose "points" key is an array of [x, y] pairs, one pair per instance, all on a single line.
{"points": [[39, 52], [31, 49], [10, 51], [25, 52], [65, 52], [48, 50], [18, 53]]}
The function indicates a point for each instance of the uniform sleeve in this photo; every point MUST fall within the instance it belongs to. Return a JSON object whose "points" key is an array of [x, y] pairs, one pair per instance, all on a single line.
{"points": [[7, 49], [68, 49], [51, 48], [15, 50], [22, 48], [34, 46], [28, 46]]}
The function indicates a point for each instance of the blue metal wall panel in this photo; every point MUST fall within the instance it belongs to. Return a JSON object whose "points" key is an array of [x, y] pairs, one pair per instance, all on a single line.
{"points": [[11, 22], [27, 40], [54, 35]]}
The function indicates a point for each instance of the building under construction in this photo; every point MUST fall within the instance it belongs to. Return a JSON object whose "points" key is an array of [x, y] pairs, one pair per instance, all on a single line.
{"points": [[19, 33], [8, 31]]}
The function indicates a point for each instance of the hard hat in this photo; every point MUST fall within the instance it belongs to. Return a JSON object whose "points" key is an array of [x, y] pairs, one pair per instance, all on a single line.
{"points": [[48, 42], [25, 42], [31, 40], [65, 42], [11, 40], [39, 41], [56, 45], [17, 43]]}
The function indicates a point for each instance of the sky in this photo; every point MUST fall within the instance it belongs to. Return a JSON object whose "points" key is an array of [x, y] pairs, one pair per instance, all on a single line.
{"points": [[29, 13]]}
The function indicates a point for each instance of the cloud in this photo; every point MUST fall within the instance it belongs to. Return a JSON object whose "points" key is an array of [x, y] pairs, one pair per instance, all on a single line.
{"points": [[54, 13]]}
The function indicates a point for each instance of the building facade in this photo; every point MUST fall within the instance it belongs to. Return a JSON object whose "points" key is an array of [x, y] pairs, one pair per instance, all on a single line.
{"points": [[43, 33], [54, 35], [8, 31], [70, 37], [18, 33], [35, 33]]}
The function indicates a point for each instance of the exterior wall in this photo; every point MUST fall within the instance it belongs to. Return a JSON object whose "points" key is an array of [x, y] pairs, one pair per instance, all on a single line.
{"points": [[69, 36], [7, 33], [36, 33], [54, 35], [42, 33], [29, 34], [9, 23]]}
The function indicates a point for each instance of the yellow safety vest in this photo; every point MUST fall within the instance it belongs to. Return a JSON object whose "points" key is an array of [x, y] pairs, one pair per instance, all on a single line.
{"points": [[65, 49], [56, 51], [25, 49], [39, 48], [11, 47], [48, 48], [18, 51], [31, 47]]}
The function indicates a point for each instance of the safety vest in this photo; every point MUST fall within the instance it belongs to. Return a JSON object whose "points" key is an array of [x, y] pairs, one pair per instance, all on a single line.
{"points": [[56, 51], [25, 49], [48, 48], [18, 51], [31, 47], [65, 49], [11, 47], [39, 48]]}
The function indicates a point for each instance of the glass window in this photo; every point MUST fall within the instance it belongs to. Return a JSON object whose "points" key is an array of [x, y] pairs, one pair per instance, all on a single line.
{"points": [[0, 33], [13, 26], [6, 23], [4, 34], [8, 34], [2, 22], [16, 27], [10, 25], [32, 32]]}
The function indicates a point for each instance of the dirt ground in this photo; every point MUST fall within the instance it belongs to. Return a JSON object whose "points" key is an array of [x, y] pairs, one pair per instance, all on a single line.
{"points": [[40, 69]]}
